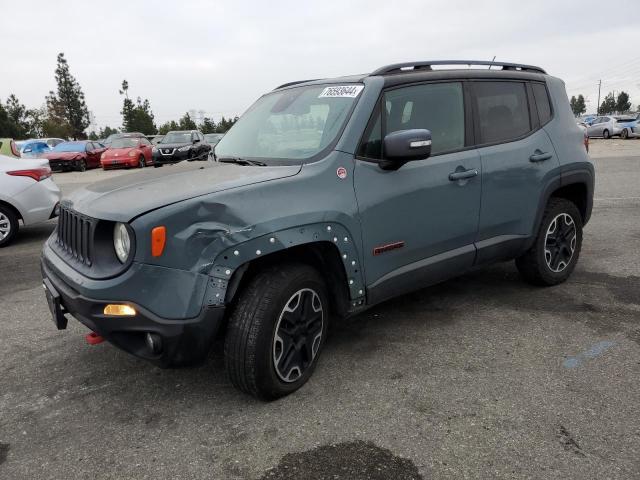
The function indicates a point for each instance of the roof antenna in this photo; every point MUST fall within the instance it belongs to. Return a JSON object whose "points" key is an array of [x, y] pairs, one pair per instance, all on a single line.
{"points": [[493, 60]]}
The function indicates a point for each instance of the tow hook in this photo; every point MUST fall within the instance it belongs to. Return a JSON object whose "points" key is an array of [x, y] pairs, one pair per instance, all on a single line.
{"points": [[93, 338]]}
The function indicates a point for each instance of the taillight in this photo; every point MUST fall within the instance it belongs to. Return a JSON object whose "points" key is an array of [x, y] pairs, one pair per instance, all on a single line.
{"points": [[37, 174], [14, 149]]}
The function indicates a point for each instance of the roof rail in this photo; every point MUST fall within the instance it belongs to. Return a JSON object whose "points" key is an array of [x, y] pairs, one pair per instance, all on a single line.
{"points": [[426, 65], [295, 83]]}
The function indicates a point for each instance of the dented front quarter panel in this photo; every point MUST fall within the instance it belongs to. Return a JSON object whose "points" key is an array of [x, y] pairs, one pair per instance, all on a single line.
{"points": [[216, 234]]}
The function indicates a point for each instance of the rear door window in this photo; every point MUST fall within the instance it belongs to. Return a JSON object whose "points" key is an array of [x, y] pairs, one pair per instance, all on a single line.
{"points": [[503, 111]]}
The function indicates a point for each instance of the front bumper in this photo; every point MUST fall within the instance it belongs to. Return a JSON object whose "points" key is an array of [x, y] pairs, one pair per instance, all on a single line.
{"points": [[64, 165], [119, 162], [175, 157], [183, 341]]}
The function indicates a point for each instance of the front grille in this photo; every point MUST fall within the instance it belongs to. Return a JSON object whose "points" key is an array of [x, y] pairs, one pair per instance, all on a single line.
{"points": [[74, 235], [167, 151]]}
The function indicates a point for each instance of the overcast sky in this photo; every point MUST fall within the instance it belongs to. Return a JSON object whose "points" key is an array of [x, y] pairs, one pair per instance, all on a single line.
{"points": [[219, 56]]}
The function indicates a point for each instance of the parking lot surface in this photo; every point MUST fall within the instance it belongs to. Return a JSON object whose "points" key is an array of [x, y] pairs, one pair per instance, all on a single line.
{"points": [[483, 376]]}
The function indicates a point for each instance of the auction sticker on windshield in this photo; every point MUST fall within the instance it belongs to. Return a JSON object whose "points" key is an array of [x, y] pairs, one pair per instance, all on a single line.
{"points": [[343, 91]]}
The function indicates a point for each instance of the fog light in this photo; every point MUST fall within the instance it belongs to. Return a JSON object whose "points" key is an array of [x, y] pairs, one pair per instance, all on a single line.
{"points": [[154, 342], [119, 310]]}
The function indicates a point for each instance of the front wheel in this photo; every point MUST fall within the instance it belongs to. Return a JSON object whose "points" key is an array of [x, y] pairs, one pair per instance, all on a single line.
{"points": [[82, 166], [624, 134], [276, 331], [606, 134], [141, 162], [556, 249]]}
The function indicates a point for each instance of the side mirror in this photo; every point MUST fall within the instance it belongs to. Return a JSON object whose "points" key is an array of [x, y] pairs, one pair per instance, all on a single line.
{"points": [[405, 146]]}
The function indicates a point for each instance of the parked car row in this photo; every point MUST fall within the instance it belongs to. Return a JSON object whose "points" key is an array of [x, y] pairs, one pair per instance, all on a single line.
{"points": [[120, 150], [607, 126]]}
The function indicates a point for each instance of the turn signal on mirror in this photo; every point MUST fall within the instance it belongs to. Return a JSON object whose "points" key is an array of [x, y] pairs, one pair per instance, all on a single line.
{"points": [[158, 239]]}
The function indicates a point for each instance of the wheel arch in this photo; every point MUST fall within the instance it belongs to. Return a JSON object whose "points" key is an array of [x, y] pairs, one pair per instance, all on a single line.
{"points": [[329, 247], [13, 209]]}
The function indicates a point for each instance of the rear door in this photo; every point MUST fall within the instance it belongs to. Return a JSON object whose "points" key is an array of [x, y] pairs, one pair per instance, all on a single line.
{"points": [[518, 162], [418, 225]]}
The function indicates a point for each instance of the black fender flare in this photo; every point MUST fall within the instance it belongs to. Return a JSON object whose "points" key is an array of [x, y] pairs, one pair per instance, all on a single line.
{"points": [[230, 264]]}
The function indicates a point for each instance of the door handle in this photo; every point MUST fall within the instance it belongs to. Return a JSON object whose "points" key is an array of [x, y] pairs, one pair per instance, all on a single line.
{"points": [[539, 156], [455, 176]]}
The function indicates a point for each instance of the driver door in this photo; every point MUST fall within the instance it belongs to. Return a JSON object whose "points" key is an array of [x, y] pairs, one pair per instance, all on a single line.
{"points": [[418, 225]]}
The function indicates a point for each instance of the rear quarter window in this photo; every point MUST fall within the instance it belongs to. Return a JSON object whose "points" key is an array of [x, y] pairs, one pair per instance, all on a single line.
{"points": [[542, 102]]}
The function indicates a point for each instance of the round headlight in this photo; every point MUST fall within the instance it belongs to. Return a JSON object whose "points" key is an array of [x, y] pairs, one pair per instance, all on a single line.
{"points": [[121, 242]]}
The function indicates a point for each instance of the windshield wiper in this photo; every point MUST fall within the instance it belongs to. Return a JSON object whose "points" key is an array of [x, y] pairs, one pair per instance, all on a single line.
{"points": [[242, 161]]}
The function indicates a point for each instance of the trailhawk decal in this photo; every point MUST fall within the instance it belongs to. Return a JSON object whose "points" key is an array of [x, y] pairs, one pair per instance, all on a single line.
{"points": [[343, 91]]}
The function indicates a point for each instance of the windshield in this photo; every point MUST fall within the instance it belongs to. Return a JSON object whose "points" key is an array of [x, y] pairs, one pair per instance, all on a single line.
{"points": [[177, 137], [294, 124], [125, 142], [69, 147]]}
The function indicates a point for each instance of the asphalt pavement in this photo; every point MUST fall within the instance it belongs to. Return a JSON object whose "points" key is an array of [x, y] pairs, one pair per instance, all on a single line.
{"points": [[482, 376]]}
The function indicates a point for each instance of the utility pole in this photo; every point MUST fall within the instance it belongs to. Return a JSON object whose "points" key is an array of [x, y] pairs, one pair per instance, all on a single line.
{"points": [[598, 105]]}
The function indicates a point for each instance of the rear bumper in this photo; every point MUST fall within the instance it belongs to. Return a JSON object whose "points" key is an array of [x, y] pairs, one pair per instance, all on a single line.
{"points": [[183, 341], [38, 202]]}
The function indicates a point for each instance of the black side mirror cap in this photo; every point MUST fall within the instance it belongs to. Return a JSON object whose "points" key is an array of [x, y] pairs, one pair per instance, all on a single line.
{"points": [[405, 146]]}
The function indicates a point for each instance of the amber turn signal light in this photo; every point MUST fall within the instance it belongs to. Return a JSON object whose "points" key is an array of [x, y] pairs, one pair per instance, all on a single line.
{"points": [[158, 239], [119, 310]]}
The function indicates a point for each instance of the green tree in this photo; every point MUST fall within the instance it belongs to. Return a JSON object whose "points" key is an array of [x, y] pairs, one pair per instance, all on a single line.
{"points": [[167, 127], [608, 105], [106, 131], [622, 102], [187, 123], [578, 105], [17, 113], [8, 128], [208, 125], [136, 117], [225, 124], [67, 104], [93, 135]]}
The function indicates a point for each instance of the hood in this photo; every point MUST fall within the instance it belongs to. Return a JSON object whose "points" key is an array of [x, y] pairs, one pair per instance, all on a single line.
{"points": [[120, 152], [173, 145], [127, 196], [62, 155]]}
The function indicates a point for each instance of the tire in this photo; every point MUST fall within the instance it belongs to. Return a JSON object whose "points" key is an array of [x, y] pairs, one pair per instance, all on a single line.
{"points": [[82, 166], [606, 135], [624, 134], [551, 260], [8, 225], [141, 161], [255, 350]]}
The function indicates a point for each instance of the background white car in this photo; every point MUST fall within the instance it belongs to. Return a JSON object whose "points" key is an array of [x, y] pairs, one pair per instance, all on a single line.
{"points": [[27, 193]]}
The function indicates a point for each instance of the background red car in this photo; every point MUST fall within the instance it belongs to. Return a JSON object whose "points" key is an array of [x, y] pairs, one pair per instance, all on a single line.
{"points": [[127, 152], [75, 155]]}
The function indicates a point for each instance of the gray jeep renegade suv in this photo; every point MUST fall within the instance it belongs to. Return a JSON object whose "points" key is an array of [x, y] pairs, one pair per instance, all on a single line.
{"points": [[327, 197]]}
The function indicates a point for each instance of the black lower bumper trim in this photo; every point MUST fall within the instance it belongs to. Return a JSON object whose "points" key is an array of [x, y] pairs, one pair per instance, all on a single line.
{"points": [[184, 341]]}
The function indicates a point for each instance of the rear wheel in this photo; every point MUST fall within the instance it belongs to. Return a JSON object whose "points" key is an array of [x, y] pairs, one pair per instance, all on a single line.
{"points": [[8, 225], [276, 331], [606, 134], [555, 252]]}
